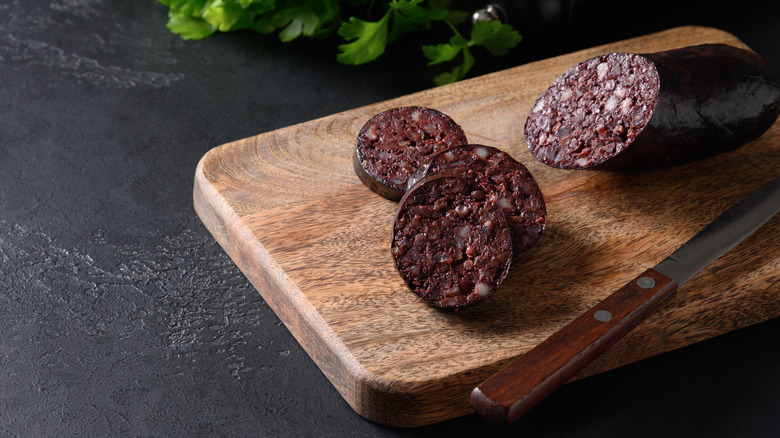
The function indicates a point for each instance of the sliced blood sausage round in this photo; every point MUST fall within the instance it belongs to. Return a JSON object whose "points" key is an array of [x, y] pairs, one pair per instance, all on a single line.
{"points": [[507, 182], [393, 143], [450, 244], [628, 111]]}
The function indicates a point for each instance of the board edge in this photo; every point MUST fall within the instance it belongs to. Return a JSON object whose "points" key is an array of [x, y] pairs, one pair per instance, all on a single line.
{"points": [[371, 396]]}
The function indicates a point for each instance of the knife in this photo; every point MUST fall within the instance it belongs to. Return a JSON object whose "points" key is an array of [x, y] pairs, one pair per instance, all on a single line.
{"points": [[507, 395]]}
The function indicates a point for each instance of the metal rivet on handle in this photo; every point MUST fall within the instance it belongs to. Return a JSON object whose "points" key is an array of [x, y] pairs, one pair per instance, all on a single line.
{"points": [[602, 315], [646, 282]]}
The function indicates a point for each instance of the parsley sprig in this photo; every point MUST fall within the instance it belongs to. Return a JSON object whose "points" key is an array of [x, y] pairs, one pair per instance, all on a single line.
{"points": [[364, 40]]}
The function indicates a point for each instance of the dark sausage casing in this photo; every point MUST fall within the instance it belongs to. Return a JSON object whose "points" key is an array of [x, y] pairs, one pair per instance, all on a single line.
{"points": [[393, 143], [628, 111], [450, 244], [507, 182]]}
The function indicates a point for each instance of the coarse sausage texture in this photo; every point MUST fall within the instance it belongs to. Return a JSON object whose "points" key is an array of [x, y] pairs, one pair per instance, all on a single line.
{"points": [[626, 111], [506, 181], [393, 143], [451, 245]]}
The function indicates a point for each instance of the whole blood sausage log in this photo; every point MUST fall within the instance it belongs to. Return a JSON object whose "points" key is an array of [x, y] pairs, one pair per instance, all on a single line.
{"points": [[450, 244], [625, 111], [393, 143], [508, 183]]}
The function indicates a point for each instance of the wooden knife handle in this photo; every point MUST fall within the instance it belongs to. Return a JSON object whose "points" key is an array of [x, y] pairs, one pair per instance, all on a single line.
{"points": [[507, 395]]}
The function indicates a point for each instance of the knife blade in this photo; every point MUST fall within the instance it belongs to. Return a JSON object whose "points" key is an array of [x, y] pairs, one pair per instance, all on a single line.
{"points": [[513, 391]]}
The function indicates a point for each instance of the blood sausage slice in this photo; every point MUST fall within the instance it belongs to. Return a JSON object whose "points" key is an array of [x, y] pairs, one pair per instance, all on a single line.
{"points": [[628, 111], [393, 143], [451, 246], [506, 181]]}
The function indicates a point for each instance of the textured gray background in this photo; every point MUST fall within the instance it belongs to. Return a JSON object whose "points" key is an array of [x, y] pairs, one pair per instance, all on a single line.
{"points": [[120, 315]]}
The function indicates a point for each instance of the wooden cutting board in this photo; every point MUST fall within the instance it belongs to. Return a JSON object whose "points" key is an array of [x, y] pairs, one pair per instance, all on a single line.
{"points": [[289, 210]]}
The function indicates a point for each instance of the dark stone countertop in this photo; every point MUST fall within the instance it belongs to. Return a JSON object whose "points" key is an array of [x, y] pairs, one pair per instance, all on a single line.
{"points": [[119, 313]]}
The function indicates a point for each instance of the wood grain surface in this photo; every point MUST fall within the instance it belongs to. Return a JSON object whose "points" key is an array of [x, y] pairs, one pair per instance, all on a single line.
{"points": [[315, 242]]}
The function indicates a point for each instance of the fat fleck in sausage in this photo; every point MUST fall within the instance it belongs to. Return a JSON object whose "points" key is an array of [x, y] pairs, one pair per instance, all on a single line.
{"points": [[628, 111], [451, 246], [393, 143], [507, 182]]}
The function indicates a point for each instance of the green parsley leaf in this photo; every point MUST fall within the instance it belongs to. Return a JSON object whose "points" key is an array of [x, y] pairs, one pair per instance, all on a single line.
{"points": [[307, 18], [366, 40], [403, 24], [409, 16], [302, 21], [495, 36], [370, 40], [189, 28], [440, 53], [186, 8], [458, 17], [223, 14], [445, 52], [413, 10], [457, 73]]}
